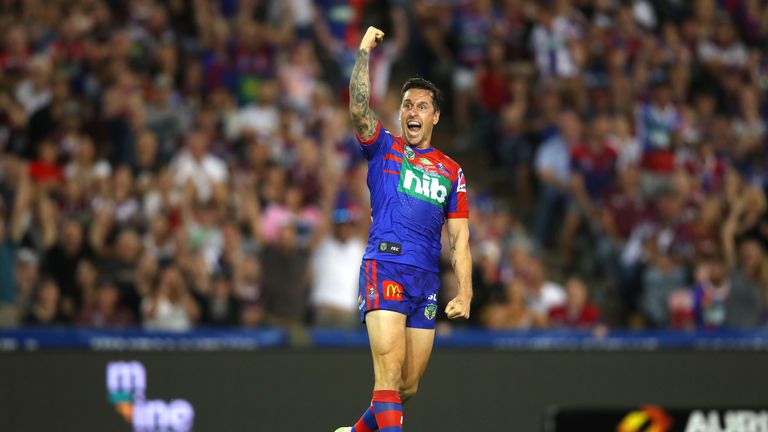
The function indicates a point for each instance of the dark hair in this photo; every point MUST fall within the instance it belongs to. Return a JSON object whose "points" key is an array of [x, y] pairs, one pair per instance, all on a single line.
{"points": [[421, 83]]}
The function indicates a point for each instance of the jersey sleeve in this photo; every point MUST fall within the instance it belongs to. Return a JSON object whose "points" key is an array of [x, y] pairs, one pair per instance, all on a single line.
{"points": [[376, 144], [457, 201]]}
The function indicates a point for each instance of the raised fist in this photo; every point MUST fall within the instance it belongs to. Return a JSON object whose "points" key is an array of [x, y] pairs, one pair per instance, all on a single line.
{"points": [[373, 37]]}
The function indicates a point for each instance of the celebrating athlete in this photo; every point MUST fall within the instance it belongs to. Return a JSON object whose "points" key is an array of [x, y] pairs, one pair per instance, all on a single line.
{"points": [[414, 188]]}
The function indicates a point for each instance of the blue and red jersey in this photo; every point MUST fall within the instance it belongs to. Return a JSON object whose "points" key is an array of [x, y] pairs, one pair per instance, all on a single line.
{"points": [[412, 193]]}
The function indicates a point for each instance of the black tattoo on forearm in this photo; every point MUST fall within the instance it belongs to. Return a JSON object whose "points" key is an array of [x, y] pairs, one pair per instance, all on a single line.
{"points": [[362, 115]]}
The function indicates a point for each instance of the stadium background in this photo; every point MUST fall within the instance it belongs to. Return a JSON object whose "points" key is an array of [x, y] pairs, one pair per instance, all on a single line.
{"points": [[181, 165]]}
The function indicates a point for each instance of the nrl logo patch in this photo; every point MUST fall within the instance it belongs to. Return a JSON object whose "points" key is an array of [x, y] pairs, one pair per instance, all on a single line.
{"points": [[430, 311]]}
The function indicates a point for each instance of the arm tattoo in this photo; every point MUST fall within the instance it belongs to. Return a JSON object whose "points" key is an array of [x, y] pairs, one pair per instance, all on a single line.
{"points": [[362, 115]]}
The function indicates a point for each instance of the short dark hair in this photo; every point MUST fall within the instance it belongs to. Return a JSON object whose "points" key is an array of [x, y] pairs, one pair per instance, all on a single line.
{"points": [[421, 83]]}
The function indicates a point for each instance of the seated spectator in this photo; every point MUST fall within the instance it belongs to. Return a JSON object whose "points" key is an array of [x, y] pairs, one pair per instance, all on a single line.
{"points": [[513, 313], [542, 294], [105, 310], [663, 245], [593, 171], [748, 282], [220, 307], [553, 169], [171, 305], [46, 308], [578, 311]]}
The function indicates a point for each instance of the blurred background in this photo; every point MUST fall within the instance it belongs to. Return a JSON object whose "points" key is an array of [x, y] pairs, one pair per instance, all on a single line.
{"points": [[186, 164], [172, 164]]}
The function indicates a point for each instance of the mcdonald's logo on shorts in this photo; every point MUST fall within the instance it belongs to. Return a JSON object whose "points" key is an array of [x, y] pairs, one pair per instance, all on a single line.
{"points": [[392, 290]]}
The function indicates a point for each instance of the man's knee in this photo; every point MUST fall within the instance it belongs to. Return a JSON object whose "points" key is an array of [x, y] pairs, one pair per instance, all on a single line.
{"points": [[408, 391]]}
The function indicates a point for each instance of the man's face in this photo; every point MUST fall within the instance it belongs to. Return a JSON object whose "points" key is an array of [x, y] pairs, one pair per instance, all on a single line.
{"points": [[417, 116]]}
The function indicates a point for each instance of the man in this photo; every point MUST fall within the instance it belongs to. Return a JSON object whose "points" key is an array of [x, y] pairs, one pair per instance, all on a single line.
{"points": [[414, 189], [335, 277]]}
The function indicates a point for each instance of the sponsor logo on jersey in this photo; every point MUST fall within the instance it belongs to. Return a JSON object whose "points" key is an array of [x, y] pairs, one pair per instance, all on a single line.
{"points": [[425, 161], [432, 297], [392, 290], [360, 302], [430, 187], [430, 311]]}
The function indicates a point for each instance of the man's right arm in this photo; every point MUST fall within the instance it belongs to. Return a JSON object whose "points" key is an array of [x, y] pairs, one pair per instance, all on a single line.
{"points": [[362, 115]]}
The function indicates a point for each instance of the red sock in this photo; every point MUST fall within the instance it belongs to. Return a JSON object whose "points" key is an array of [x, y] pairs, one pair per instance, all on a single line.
{"points": [[388, 410]]}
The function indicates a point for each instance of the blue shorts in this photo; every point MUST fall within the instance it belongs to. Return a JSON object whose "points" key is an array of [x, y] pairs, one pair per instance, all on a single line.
{"points": [[400, 288]]}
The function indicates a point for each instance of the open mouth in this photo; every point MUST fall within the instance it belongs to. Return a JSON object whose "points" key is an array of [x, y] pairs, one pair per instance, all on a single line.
{"points": [[413, 126]]}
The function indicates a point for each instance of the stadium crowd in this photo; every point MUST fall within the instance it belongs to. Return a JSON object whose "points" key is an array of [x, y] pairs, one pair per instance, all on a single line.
{"points": [[180, 163]]}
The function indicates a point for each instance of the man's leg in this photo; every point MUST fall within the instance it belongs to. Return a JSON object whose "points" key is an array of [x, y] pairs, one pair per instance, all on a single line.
{"points": [[418, 348], [387, 335]]}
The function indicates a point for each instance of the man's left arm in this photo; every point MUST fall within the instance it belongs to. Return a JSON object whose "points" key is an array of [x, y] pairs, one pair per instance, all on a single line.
{"points": [[461, 260]]}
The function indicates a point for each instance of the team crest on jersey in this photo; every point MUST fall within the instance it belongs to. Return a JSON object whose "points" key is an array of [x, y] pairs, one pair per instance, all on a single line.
{"points": [[409, 152], [372, 294], [430, 311]]}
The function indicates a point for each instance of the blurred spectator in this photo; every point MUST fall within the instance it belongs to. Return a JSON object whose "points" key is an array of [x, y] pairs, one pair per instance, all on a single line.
{"points": [[553, 168], [556, 44], [220, 307], [335, 273], [61, 264], [11, 231], [593, 171], [46, 308], [199, 170], [665, 245], [105, 310], [214, 137], [170, 306], [285, 292], [622, 209], [578, 311], [122, 268], [658, 123], [542, 294], [514, 313]]}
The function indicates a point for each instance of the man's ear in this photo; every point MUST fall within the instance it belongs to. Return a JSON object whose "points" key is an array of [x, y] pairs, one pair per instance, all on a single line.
{"points": [[436, 118]]}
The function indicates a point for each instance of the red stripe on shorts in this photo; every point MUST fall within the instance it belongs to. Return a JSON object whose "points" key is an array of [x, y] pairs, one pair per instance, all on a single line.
{"points": [[367, 285], [375, 286]]}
